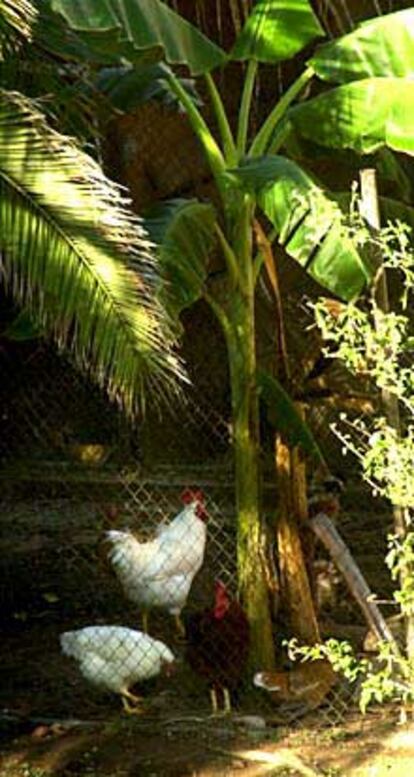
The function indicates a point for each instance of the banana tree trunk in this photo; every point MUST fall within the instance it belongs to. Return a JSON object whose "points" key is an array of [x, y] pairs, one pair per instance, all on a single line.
{"points": [[250, 535], [240, 338]]}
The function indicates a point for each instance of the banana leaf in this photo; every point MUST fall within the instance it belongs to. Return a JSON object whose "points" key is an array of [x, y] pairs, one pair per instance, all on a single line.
{"points": [[364, 115], [379, 47], [277, 30], [127, 87], [284, 417], [183, 231], [308, 223], [54, 35], [132, 27]]}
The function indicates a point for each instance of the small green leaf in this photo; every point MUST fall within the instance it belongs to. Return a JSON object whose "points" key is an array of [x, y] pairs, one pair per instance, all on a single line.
{"points": [[390, 209], [277, 30]]}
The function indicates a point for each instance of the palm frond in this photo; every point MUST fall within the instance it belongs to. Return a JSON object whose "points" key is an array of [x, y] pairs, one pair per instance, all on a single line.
{"points": [[16, 20], [79, 261]]}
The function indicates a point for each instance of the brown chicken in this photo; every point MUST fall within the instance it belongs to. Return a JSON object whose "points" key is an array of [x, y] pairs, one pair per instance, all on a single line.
{"points": [[307, 682], [218, 645]]}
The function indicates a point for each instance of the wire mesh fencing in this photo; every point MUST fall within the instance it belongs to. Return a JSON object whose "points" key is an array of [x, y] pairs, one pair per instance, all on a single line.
{"points": [[97, 544]]}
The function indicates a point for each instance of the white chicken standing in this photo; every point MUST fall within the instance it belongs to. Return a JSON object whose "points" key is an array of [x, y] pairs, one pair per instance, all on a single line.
{"points": [[114, 658], [160, 572]]}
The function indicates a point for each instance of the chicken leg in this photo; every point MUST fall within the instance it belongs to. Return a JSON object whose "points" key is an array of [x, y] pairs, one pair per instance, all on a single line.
{"points": [[227, 701], [145, 622], [179, 626], [130, 702], [213, 699]]}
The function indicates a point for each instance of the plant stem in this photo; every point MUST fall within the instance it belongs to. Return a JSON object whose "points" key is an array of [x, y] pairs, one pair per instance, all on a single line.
{"points": [[211, 148], [245, 103], [226, 134], [236, 315], [260, 143], [242, 360], [229, 256]]}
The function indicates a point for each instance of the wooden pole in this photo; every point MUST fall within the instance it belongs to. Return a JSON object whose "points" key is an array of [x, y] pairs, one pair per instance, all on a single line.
{"points": [[326, 531]]}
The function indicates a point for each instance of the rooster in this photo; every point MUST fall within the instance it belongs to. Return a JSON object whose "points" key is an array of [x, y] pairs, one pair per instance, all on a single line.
{"points": [[218, 645], [160, 572], [115, 658]]}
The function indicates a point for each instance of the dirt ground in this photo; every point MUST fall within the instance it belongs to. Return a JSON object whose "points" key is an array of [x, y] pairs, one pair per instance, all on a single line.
{"points": [[186, 746]]}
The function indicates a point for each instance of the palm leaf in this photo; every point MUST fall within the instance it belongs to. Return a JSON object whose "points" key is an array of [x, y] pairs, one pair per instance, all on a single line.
{"points": [[16, 20], [77, 260]]}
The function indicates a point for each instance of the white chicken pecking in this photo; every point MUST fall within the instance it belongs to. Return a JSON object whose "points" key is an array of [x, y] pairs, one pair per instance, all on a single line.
{"points": [[160, 572], [115, 658]]}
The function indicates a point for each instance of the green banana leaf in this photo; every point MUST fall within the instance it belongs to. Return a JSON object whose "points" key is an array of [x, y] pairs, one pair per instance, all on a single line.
{"points": [[364, 115], [308, 222], [78, 261], [277, 30], [53, 34], [137, 26], [183, 230], [284, 417], [127, 87], [380, 47]]}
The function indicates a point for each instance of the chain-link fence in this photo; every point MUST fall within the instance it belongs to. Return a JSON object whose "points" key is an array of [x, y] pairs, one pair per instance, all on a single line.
{"points": [[112, 546]]}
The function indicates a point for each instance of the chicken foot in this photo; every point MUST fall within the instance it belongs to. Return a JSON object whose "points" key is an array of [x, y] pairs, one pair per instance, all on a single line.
{"points": [[131, 703]]}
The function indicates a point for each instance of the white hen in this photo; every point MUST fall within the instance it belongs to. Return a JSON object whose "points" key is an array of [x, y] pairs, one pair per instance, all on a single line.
{"points": [[159, 573], [114, 658]]}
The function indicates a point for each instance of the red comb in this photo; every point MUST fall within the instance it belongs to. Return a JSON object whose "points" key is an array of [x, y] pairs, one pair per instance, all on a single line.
{"points": [[189, 495]]}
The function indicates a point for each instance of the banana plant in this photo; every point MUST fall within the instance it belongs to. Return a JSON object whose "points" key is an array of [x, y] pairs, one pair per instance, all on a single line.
{"points": [[364, 102], [72, 253]]}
